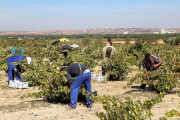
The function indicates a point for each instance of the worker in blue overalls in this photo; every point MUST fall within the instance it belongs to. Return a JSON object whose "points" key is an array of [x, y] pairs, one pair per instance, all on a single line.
{"points": [[12, 68], [14, 50]]}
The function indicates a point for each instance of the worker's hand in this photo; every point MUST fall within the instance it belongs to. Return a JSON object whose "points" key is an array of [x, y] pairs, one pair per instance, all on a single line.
{"points": [[155, 65], [70, 85], [147, 77]]}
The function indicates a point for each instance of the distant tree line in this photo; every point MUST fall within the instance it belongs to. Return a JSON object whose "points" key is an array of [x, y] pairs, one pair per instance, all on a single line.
{"points": [[95, 36]]}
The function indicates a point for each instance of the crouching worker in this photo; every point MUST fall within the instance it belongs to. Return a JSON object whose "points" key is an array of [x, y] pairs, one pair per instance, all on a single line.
{"points": [[83, 76], [15, 69], [150, 63]]}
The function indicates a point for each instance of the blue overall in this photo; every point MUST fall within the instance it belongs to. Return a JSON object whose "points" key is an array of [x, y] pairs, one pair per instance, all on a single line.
{"points": [[12, 67], [83, 79]]}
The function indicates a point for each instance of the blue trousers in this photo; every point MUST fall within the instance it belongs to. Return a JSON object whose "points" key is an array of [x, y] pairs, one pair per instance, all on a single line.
{"points": [[83, 79], [11, 73]]}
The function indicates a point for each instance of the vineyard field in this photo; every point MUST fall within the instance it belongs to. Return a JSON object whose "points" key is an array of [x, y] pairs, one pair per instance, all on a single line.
{"points": [[48, 94]]}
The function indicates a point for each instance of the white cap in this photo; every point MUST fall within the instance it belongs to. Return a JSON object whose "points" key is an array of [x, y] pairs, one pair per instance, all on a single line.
{"points": [[28, 60], [74, 46]]}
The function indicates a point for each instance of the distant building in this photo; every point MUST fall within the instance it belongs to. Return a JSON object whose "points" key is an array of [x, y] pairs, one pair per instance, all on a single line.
{"points": [[125, 32], [20, 38], [163, 31], [171, 32], [30, 38], [155, 32]]}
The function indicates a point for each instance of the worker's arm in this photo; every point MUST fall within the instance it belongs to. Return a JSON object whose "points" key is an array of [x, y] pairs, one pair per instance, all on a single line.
{"points": [[157, 65], [145, 71], [55, 43], [70, 80], [103, 54]]}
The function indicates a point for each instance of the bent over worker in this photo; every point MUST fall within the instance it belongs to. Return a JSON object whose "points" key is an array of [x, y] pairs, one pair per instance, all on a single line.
{"points": [[63, 48], [14, 50], [83, 76], [150, 63], [11, 68]]}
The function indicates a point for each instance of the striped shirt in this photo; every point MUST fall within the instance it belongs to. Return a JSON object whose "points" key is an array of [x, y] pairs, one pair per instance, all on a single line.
{"points": [[146, 64]]}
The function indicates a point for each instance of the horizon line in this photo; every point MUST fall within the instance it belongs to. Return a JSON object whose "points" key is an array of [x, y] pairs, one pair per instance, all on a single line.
{"points": [[82, 29]]}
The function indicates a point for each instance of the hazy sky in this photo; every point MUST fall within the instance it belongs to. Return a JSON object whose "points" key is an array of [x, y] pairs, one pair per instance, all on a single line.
{"points": [[36, 15]]}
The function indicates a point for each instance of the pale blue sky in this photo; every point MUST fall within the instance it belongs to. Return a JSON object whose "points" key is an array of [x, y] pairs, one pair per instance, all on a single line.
{"points": [[36, 15]]}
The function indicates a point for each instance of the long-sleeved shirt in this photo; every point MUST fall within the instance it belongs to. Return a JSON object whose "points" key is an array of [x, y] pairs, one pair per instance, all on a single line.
{"points": [[104, 54], [54, 43], [74, 70], [14, 59], [147, 65]]}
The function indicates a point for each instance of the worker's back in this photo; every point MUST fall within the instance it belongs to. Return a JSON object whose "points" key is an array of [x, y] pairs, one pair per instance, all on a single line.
{"points": [[14, 59]]}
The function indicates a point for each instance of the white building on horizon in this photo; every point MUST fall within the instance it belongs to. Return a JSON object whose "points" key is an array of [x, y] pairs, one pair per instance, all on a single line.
{"points": [[125, 32], [163, 31]]}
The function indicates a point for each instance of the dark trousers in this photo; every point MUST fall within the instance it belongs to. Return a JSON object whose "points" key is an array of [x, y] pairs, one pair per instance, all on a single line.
{"points": [[103, 71]]}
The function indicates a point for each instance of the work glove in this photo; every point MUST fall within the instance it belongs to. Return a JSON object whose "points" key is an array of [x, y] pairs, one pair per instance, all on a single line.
{"points": [[17, 72]]}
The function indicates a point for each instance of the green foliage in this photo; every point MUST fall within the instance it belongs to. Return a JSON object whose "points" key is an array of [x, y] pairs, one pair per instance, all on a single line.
{"points": [[86, 40], [150, 39], [177, 41], [99, 42], [121, 60], [128, 110], [127, 40], [171, 40], [172, 113]]}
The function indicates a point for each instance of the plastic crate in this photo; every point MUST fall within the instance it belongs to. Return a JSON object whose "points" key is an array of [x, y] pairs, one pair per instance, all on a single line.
{"points": [[18, 84], [99, 77]]}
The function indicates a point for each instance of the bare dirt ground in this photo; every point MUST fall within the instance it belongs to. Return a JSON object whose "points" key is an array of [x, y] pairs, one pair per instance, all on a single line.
{"points": [[133, 42], [12, 108]]}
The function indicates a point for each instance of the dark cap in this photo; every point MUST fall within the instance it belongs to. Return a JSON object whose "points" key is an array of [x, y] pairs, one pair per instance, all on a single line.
{"points": [[109, 49], [147, 55]]}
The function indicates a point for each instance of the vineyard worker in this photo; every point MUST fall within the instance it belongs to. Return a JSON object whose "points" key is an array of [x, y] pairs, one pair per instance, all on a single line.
{"points": [[14, 50], [150, 62], [55, 42], [107, 52], [12, 68], [83, 76], [65, 47]]}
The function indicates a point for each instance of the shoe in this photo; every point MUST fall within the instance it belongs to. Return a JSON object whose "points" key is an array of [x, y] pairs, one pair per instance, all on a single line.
{"points": [[152, 87], [89, 105], [94, 93], [142, 86], [68, 107]]}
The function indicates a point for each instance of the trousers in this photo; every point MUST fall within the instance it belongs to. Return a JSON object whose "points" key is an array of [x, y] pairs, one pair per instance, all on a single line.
{"points": [[11, 72], [83, 79]]}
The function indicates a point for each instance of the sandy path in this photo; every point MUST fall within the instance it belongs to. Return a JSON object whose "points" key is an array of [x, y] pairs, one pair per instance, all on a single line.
{"points": [[133, 42], [11, 107]]}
